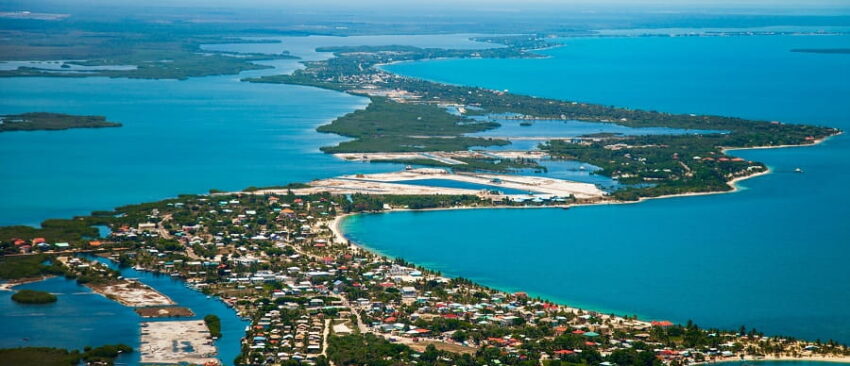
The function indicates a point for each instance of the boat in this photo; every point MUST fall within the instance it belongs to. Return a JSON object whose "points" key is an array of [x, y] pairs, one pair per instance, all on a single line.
{"points": [[798, 170]]}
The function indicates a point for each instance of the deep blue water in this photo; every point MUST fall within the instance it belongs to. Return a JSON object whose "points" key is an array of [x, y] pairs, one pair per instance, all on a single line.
{"points": [[772, 256], [82, 318]]}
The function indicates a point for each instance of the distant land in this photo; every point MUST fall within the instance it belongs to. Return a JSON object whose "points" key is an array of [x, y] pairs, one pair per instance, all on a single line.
{"points": [[36, 121], [821, 50]]}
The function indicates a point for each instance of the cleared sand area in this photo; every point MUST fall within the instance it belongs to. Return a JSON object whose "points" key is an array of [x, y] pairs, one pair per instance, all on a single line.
{"points": [[393, 183], [163, 311], [131, 293], [177, 342]]}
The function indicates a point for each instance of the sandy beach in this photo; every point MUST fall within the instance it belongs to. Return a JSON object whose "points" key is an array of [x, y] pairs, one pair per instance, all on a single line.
{"points": [[845, 359]]}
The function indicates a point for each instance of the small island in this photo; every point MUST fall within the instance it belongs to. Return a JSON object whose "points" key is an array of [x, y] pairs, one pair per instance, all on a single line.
{"points": [[33, 297], [37, 121], [213, 324]]}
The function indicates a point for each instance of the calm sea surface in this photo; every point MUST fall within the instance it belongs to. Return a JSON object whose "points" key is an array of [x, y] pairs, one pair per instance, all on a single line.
{"points": [[81, 317], [772, 256], [178, 136]]}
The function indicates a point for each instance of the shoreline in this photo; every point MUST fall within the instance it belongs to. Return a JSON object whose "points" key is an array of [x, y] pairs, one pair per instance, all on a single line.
{"points": [[11, 284], [339, 236], [840, 360]]}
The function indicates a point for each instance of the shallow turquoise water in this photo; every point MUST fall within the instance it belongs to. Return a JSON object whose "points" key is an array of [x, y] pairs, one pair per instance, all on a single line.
{"points": [[677, 259], [448, 183], [772, 256], [178, 136], [82, 318], [570, 128]]}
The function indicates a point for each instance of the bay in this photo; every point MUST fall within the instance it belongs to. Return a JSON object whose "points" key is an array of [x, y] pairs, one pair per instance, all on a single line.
{"points": [[770, 256]]}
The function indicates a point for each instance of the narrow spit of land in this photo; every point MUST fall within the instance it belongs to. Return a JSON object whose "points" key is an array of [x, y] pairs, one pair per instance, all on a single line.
{"points": [[409, 116], [278, 260]]}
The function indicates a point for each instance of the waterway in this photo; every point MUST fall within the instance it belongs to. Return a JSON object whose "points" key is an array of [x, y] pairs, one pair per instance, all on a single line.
{"points": [[81, 317]]}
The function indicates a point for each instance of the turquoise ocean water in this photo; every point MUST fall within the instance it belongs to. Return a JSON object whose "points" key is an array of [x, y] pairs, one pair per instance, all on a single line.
{"points": [[81, 317], [772, 256], [178, 136]]}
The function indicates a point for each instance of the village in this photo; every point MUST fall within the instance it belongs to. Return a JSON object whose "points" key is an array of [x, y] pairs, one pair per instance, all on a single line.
{"points": [[312, 297]]}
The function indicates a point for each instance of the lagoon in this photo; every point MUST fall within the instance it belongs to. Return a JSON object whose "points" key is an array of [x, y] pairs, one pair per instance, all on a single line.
{"points": [[512, 129], [186, 136]]}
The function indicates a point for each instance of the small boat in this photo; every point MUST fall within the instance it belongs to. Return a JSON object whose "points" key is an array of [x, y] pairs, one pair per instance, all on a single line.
{"points": [[581, 168], [798, 170]]}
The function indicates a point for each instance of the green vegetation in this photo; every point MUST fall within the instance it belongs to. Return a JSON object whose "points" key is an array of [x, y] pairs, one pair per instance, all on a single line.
{"points": [[388, 126], [287, 186], [365, 202], [473, 164], [75, 231], [156, 52], [33, 297], [653, 165], [44, 356], [105, 354], [19, 267], [367, 349], [51, 121], [214, 324], [38, 356]]}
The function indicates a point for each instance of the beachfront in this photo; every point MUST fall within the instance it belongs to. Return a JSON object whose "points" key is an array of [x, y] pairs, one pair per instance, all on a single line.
{"points": [[309, 293]]}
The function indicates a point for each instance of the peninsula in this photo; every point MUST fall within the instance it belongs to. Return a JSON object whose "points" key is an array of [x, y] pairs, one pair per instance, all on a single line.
{"points": [[36, 121], [408, 115], [279, 259]]}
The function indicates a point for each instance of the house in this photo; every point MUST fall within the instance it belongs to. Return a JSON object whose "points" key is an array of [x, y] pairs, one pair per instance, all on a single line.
{"points": [[408, 291]]}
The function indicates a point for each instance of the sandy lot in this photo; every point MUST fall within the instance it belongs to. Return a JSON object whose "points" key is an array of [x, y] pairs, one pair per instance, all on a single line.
{"points": [[132, 293], [178, 341]]}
